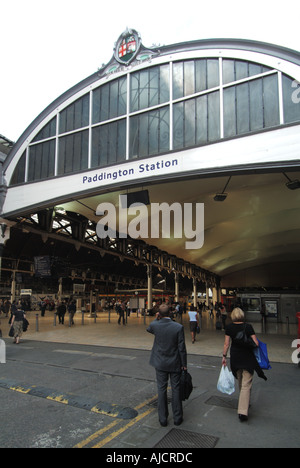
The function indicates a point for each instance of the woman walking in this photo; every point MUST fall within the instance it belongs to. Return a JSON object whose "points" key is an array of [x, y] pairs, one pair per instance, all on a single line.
{"points": [[17, 321], [242, 360], [193, 323]]}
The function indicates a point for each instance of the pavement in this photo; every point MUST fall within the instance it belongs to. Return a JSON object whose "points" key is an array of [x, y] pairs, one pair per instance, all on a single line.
{"points": [[100, 347]]}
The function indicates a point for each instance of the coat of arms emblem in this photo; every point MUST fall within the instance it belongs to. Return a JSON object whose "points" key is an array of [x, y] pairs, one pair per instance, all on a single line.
{"points": [[127, 46]]}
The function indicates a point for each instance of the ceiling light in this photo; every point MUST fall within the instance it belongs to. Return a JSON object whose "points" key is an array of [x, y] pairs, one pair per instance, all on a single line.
{"points": [[292, 184], [220, 197]]}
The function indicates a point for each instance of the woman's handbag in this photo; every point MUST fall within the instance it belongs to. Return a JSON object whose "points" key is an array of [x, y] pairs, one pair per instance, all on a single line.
{"points": [[261, 354], [11, 332], [25, 324], [226, 382], [241, 339]]}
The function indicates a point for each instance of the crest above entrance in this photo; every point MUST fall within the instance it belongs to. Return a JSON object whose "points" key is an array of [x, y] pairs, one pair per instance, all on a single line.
{"points": [[127, 46]]}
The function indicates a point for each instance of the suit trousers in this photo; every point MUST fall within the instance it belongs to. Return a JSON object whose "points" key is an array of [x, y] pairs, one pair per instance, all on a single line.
{"points": [[245, 384], [162, 378]]}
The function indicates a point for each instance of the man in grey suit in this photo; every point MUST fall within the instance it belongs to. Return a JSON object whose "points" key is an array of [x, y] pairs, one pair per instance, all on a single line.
{"points": [[169, 358]]}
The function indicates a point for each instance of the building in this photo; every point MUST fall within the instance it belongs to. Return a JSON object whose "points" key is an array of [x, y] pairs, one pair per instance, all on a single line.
{"points": [[211, 122]]}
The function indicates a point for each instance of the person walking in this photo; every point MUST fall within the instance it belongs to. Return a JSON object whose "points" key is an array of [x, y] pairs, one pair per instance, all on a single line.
{"points": [[121, 309], [61, 311], [223, 315], [72, 312], [169, 358], [194, 323], [242, 359], [17, 321]]}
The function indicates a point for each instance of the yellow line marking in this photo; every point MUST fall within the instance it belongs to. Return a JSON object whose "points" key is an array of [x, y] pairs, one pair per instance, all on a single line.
{"points": [[114, 423], [58, 399], [97, 434], [123, 429], [20, 389]]}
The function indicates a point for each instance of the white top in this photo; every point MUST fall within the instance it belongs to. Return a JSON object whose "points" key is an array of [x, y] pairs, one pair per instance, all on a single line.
{"points": [[193, 316]]}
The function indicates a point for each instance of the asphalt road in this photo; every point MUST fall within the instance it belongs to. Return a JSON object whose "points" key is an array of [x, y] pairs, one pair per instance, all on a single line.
{"points": [[55, 395]]}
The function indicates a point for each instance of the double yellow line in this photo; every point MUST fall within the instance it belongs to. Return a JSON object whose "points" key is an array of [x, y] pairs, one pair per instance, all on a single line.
{"points": [[116, 433]]}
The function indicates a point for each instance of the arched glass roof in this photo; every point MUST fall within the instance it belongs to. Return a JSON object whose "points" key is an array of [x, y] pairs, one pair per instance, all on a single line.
{"points": [[166, 100]]}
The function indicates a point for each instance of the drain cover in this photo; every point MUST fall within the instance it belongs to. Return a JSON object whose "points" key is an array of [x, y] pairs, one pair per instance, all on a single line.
{"points": [[224, 402], [178, 438]]}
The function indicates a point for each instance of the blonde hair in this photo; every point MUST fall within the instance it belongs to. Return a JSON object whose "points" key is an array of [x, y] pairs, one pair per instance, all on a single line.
{"points": [[237, 315]]}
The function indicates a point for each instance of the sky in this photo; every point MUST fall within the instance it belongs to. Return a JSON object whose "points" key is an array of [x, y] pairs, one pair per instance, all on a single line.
{"points": [[48, 47]]}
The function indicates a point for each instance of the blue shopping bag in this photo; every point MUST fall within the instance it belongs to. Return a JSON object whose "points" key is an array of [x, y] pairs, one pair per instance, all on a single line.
{"points": [[261, 354]]}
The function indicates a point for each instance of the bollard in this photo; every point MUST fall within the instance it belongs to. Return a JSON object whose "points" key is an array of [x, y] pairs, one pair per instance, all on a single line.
{"points": [[108, 315], [82, 317], [37, 322]]}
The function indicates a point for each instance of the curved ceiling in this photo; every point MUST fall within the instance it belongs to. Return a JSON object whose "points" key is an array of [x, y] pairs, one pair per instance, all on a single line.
{"points": [[252, 238]]}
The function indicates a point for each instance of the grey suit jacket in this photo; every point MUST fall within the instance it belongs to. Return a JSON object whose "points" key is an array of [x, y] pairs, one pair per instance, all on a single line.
{"points": [[169, 350]]}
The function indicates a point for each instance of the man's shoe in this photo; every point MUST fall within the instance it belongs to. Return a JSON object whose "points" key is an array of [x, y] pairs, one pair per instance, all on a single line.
{"points": [[164, 423], [177, 423]]}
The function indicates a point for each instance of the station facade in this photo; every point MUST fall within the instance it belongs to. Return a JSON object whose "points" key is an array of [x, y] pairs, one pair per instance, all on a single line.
{"points": [[178, 122]]}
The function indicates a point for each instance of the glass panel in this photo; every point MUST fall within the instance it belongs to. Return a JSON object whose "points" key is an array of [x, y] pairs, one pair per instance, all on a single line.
{"points": [[178, 130], [75, 116], [73, 153], [189, 78], [197, 121], [213, 116], [110, 100], [41, 161], [149, 87], [256, 105], [192, 77], [234, 70], [291, 99], [230, 112], [202, 119], [189, 123], [228, 71], [201, 75], [242, 108], [18, 176], [109, 143], [271, 101], [212, 73], [177, 80], [47, 132], [149, 133]]}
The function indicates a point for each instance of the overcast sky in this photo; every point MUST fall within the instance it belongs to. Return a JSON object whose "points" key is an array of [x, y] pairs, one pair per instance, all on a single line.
{"points": [[47, 47]]}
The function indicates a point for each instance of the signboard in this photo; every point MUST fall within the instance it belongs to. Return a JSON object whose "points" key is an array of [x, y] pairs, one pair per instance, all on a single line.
{"points": [[42, 267]]}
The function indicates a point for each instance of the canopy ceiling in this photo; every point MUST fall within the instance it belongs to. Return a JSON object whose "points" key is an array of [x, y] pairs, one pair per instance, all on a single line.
{"points": [[250, 239]]}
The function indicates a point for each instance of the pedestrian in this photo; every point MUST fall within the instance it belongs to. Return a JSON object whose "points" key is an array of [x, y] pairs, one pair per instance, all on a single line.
{"points": [[61, 311], [7, 307], [121, 309], [242, 359], [169, 358], [17, 323], [194, 323], [43, 306], [72, 311], [223, 315]]}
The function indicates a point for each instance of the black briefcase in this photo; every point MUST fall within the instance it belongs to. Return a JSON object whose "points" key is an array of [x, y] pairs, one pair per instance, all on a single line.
{"points": [[186, 385]]}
